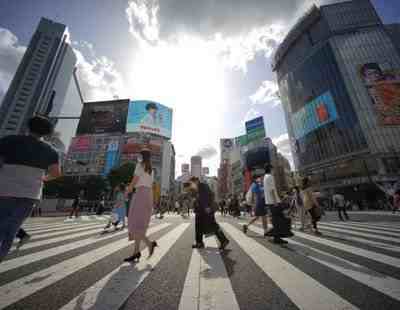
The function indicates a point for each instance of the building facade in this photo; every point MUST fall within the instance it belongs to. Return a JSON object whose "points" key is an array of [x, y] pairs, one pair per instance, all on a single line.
{"points": [[41, 81], [196, 166], [339, 82], [102, 144]]}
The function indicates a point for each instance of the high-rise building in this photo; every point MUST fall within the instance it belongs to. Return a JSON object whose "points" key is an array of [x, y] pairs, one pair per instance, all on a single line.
{"points": [[338, 71], [196, 165], [41, 81]]}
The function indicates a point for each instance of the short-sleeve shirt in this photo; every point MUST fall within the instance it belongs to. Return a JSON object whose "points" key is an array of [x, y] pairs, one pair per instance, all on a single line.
{"points": [[258, 191], [145, 179], [338, 200], [269, 188], [25, 161]]}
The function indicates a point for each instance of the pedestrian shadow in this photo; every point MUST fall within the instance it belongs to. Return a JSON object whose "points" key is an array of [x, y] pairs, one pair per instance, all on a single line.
{"points": [[218, 262], [332, 260], [117, 289]]}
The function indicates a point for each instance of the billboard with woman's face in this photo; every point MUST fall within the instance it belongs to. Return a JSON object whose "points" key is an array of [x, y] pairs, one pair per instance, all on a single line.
{"points": [[150, 117]]}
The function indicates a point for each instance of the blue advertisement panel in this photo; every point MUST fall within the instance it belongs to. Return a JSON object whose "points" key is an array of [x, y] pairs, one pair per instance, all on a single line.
{"points": [[150, 117], [315, 114], [254, 125], [111, 158]]}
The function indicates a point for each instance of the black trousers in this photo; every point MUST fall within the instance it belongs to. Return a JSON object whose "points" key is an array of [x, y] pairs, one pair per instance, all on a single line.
{"points": [[340, 210], [201, 220], [21, 233]]}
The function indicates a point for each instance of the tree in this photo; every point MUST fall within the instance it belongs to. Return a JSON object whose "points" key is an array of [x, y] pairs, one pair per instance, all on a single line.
{"points": [[64, 187], [94, 187], [122, 174]]}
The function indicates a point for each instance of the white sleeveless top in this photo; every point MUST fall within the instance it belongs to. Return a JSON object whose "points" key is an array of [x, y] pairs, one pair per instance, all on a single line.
{"points": [[145, 179]]}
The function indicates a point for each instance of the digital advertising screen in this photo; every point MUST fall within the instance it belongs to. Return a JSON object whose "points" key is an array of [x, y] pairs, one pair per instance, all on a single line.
{"points": [[103, 117], [383, 87], [315, 114], [149, 117], [80, 144]]}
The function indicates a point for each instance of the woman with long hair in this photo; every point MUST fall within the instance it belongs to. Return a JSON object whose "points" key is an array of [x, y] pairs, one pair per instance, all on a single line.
{"points": [[141, 207]]}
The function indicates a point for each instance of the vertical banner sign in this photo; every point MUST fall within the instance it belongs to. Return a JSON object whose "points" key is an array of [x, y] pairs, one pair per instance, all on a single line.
{"points": [[111, 157], [255, 129]]}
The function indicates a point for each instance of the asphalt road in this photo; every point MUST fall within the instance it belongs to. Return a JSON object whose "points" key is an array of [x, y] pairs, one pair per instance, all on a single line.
{"points": [[71, 264]]}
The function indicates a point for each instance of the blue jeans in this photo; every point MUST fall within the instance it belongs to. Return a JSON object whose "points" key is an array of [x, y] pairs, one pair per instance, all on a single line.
{"points": [[13, 212]]}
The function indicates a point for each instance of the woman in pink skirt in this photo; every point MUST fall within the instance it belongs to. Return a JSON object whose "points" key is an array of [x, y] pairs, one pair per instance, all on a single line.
{"points": [[141, 208]]}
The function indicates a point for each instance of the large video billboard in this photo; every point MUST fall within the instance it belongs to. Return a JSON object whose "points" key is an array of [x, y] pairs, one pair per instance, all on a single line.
{"points": [[314, 114], [150, 117], [384, 88], [103, 117]]}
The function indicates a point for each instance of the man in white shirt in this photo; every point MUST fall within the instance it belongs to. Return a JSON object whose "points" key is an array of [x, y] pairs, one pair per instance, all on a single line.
{"points": [[340, 203], [272, 200]]}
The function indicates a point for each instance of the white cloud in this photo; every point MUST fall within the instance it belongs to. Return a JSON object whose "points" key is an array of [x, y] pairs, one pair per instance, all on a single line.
{"points": [[282, 142], [98, 78], [11, 53], [251, 114], [207, 152], [234, 50], [267, 93]]}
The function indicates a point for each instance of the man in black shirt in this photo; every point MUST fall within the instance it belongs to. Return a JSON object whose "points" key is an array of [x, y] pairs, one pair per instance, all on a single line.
{"points": [[24, 161]]}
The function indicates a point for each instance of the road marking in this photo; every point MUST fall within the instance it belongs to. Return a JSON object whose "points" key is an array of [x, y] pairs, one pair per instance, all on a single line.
{"points": [[380, 282], [35, 244], [114, 289], [350, 229], [381, 245], [30, 258], [43, 227], [361, 234], [381, 258], [374, 225], [207, 284], [303, 290], [66, 231], [63, 228], [25, 286]]}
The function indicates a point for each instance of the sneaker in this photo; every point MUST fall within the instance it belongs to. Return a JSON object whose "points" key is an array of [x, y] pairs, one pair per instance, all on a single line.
{"points": [[224, 244], [198, 246], [22, 241], [280, 241], [244, 228], [318, 233]]}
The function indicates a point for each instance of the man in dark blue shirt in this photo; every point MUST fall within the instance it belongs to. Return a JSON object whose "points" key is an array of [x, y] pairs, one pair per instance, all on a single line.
{"points": [[25, 163]]}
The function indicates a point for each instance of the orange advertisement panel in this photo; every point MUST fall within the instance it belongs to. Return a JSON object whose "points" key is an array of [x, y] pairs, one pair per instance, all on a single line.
{"points": [[384, 88]]}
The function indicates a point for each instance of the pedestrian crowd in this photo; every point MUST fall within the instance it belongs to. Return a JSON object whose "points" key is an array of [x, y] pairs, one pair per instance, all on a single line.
{"points": [[26, 162]]}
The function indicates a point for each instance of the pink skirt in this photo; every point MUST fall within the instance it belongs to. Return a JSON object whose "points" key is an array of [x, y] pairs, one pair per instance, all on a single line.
{"points": [[140, 212]]}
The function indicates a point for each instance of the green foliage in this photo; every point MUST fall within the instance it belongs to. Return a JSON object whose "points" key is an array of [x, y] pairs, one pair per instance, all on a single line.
{"points": [[64, 187], [95, 187], [120, 175]]}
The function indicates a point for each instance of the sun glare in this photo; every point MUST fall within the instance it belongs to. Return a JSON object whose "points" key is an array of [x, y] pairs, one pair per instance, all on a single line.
{"points": [[187, 77]]}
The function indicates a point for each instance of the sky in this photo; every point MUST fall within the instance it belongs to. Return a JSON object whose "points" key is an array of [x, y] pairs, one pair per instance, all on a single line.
{"points": [[209, 60]]}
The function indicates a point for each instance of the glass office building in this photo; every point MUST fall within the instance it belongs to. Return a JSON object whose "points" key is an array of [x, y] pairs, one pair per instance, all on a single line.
{"points": [[41, 81], [338, 71]]}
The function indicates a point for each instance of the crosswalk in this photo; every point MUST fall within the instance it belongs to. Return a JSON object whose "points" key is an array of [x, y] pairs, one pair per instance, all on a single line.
{"points": [[73, 265]]}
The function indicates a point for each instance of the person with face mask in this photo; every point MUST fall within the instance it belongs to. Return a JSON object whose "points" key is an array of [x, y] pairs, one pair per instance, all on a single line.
{"points": [[205, 220], [141, 208]]}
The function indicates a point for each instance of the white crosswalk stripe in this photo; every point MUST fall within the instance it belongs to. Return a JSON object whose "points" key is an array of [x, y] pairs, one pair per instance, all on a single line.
{"points": [[23, 287], [216, 292], [123, 281], [291, 280], [347, 251], [376, 280]]}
